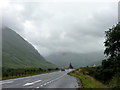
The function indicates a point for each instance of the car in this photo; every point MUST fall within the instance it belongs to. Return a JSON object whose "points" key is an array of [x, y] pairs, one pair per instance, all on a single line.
{"points": [[62, 69]]}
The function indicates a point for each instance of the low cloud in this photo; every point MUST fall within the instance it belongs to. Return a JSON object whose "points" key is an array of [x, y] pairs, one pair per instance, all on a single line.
{"points": [[62, 27]]}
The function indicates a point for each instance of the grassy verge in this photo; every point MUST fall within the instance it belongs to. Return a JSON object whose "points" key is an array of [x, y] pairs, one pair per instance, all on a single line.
{"points": [[86, 81], [13, 77]]}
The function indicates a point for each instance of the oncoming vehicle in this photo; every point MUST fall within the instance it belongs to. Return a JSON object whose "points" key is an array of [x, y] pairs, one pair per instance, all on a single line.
{"points": [[62, 69]]}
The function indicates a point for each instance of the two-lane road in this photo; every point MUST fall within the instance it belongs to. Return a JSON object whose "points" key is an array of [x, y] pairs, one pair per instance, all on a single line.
{"points": [[58, 79]]}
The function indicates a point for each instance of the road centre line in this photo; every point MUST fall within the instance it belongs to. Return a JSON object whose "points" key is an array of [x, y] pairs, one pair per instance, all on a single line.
{"points": [[28, 84], [53, 80]]}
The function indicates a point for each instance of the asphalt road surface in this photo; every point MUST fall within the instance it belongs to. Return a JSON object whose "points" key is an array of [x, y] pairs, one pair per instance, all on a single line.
{"points": [[58, 79]]}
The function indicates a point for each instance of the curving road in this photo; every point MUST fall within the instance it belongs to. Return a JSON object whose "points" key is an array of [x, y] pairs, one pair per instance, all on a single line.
{"points": [[58, 79]]}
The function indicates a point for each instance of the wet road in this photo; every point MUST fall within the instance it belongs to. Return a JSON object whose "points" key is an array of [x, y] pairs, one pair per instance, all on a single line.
{"points": [[58, 79]]}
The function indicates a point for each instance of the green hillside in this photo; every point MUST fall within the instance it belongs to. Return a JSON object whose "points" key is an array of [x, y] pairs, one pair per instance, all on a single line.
{"points": [[18, 53]]}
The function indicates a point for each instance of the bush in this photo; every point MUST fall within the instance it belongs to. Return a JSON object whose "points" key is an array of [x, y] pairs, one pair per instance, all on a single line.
{"points": [[115, 82]]}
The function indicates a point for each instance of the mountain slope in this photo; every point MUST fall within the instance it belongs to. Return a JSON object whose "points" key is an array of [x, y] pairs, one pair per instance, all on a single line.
{"points": [[76, 59], [18, 53]]}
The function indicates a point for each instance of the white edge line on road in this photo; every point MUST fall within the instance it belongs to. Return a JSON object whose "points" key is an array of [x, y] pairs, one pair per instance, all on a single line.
{"points": [[3, 82], [30, 76]]}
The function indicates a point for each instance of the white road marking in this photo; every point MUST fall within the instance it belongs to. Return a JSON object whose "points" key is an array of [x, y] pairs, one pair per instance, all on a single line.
{"points": [[41, 85], [28, 84], [37, 87], [31, 76], [52, 80], [44, 84], [48, 82], [4, 82], [37, 81]]}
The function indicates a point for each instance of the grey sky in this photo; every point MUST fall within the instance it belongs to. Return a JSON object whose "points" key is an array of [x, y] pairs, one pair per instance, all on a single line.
{"points": [[62, 26]]}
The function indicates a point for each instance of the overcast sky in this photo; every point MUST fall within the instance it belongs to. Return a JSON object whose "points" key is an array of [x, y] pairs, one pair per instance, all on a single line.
{"points": [[63, 26]]}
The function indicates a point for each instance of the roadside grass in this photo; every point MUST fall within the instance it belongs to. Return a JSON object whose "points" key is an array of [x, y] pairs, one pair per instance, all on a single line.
{"points": [[86, 81], [13, 77]]}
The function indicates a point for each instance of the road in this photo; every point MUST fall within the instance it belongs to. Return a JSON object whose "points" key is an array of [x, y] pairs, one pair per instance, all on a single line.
{"points": [[58, 79]]}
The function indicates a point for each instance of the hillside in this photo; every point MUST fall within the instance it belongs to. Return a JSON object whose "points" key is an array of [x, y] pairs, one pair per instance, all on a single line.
{"points": [[76, 59], [18, 53]]}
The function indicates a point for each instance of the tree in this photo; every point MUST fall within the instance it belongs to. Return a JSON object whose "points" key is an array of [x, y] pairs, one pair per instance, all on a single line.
{"points": [[110, 66], [112, 42]]}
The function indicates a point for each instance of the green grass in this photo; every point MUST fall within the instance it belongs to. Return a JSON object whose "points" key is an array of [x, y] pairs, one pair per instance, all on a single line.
{"points": [[86, 81]]}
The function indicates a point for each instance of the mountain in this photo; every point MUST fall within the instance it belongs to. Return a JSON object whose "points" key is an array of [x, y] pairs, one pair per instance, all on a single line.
{"points": [[77, 60], [18, 53]]}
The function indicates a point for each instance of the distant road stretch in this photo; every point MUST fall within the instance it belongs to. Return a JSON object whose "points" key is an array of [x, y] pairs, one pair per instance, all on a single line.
{"points": [[58, 79]]}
